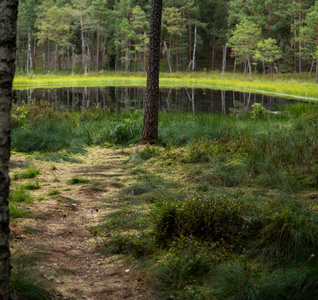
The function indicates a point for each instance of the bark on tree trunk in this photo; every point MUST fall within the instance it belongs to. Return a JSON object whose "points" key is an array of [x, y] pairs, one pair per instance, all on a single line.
{"points": [[194, 47], [83, 46], [55, 58], [150, 129], [8, 17], [317, 71], [97, 53], [224, 59]]}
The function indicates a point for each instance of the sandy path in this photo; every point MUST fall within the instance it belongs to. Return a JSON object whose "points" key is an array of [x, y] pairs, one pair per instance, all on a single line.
{"points": [[72, 263]]}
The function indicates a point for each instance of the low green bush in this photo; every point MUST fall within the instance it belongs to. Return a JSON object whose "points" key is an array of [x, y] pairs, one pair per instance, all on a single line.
{"points": [[208, 218]]}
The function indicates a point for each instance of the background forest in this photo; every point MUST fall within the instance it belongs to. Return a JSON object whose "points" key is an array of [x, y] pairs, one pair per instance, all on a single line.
{"points": [[78, 36]]}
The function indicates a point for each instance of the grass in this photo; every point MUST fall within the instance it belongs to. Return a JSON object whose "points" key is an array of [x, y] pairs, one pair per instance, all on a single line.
{"points": [[29, 173], [77, 180], [54, 192], [221, 207], [32, 186], [293, 85]]}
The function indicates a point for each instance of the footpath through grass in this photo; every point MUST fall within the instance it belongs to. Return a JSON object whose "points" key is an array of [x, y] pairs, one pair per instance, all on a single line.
{"points": [[224, 207], [286, 85]]}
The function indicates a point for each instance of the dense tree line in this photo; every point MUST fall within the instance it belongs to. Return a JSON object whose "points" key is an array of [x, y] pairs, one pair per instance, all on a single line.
{"points": [[81, 35]]}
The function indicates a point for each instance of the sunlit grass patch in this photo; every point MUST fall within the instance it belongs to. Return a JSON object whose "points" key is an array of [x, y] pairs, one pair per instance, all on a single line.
{"points": [[29, 173], [77, 180]]}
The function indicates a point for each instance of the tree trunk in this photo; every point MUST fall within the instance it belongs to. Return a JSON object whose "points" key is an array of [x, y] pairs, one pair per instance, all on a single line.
{"points": [[48, 54], [83, 46], [311, 67], [150, 129], [224, 59], [8, 17], [68, 52], [55, 58], [272, 71], [213, 51], [18, 51], [194, 46], [249, 66], [97, 53], [317, 71]]}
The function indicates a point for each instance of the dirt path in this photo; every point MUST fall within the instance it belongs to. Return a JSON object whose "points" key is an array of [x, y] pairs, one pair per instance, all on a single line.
{"points": [[70, 260]]}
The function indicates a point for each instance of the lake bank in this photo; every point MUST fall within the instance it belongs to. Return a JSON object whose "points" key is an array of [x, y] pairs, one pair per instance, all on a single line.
{"points": [[297, 86]]}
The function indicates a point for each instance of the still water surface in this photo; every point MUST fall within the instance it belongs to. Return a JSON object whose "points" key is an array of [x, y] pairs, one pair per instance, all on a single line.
{"points": [[123, 99]]}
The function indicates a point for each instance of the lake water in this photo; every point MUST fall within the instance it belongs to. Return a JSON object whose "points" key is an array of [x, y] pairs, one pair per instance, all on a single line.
{"points": [[123, 99]]}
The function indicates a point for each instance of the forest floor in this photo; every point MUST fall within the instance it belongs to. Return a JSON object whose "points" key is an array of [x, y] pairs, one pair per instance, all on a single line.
{"points": [[55, 235]]}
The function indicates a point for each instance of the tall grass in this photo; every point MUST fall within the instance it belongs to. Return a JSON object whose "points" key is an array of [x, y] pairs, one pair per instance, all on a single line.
{"points": [[299, 85]]}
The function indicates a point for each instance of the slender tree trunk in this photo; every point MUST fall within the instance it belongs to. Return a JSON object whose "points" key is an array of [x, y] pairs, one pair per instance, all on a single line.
{"points": [[18, 51], [8, 34], [272, 72], [317, 71], [97, 53], [83, 46], [194, 46], [249, 66], [68, 52], [48, 54], [213, 51], [150, 129], [34, 52], [224, 59], [311, 67], [55, 58]]}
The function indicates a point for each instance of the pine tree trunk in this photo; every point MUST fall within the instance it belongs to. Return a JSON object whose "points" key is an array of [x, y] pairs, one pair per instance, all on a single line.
{"points": [[97, 53], [83, 46], [8, 17], [68, 52], [213, 52], [224, 59], [55, 58], [18, 51], [317, 71], [48, 54], [150, 129]]}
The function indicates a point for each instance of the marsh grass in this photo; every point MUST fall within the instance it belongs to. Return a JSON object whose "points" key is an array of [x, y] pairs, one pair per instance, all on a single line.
{"points": [[290, 84]]}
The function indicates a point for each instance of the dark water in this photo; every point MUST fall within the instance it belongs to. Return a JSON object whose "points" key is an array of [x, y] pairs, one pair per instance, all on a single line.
{"points": [[122, 99]]}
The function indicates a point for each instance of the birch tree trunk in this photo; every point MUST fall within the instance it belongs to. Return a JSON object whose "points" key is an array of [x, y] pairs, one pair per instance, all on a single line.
{"points": [[194, 47], [8, 25], [150, 129]]}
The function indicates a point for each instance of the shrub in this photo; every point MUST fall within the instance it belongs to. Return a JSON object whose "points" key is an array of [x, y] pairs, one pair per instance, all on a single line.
{"points": [[235, 282], [289, 231], [214, 218]]}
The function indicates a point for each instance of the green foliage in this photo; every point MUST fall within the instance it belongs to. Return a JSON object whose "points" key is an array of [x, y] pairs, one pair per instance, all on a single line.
{"points": [[127, 132], [20, 195], [17, 212], [148, 151], [32, 186], [289, 231], [208, 218], [54, 192], [258, 111], [29, 173], [234, 281], [77, 180]]}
